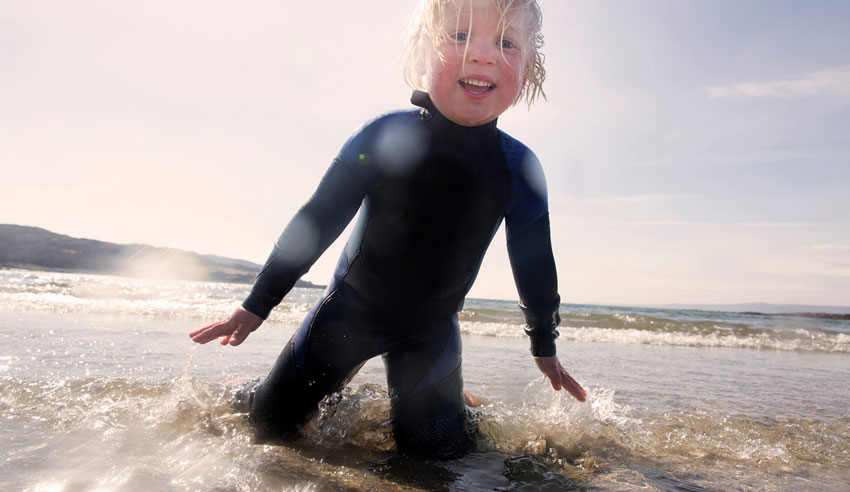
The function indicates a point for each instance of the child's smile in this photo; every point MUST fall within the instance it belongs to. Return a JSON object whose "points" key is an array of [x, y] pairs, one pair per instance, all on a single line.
{"points": [[476, 86], [480, 71]]}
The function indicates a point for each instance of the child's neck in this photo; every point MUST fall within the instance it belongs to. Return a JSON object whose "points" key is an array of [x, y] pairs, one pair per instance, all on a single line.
{"points": [[465, 137]]}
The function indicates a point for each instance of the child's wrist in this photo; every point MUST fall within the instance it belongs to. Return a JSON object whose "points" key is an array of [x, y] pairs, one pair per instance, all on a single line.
{"points": [[255, 304], [543, 347], [541, 324]]}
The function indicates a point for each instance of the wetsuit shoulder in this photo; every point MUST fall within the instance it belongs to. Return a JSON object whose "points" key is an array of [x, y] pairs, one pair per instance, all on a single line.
{"points": [[379, 137], [528, 202]]}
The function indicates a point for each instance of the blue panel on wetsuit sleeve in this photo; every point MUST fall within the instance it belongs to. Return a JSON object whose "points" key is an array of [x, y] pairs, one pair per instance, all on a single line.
{"points": [[390, 141], [528, 186]]}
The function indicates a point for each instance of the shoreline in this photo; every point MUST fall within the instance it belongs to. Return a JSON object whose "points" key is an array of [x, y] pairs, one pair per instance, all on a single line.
{"points": [[801, 315], [38, 268], [305, 284]]}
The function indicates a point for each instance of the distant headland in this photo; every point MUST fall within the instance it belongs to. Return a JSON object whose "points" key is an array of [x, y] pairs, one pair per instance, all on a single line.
{"points": [[39, 249]]}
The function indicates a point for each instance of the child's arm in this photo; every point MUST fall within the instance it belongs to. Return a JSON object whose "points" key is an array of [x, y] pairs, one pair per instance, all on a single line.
{"points": [[532, 262], [310, 232], [533, 265], [313, 228]]}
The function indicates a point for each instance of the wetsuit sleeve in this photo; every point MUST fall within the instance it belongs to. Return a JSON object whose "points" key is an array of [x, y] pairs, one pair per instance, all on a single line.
{"points": [[533, 265], [313, 228], [530, 247]]}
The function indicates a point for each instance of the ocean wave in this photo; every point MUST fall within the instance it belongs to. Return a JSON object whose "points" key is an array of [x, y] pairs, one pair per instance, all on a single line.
{"points": [[72, 293], [69, 293], [792, 340]]}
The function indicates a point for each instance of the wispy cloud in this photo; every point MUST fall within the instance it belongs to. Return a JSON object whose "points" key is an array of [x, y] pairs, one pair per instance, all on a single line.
{"points": [[614, 201], [745, 225], [621, 201], [830, 82], [831, 248]]}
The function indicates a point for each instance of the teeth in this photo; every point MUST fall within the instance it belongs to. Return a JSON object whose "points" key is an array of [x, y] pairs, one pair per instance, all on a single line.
{"points": [[479, 83]]}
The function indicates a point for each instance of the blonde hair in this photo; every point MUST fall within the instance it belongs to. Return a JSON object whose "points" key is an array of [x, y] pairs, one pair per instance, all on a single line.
{"points": [[426, 32]]}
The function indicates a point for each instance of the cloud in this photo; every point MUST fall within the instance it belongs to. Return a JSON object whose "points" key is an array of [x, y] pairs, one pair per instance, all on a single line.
{"points": [[830, 82], [621, 201], [831, 248], [615, 201], [744, 225]]}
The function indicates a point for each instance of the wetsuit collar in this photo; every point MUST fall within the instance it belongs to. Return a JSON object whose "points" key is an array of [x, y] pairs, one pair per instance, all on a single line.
{"points": [[465, 137]]}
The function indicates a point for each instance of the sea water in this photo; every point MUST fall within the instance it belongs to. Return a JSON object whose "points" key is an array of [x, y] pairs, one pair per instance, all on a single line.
{"points": [[102, 390]]}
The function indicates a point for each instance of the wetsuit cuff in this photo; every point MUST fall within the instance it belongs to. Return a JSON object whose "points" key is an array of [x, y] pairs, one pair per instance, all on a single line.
{"points": [[540, 327], [259, 304], [543, 347]]}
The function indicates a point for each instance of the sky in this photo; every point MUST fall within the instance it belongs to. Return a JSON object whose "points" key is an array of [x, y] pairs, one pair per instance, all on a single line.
{"points": [[695, 151]]}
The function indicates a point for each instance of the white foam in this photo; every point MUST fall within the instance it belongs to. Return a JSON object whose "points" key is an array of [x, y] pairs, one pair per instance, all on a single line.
{"points": [[86, 294], [70, 293], [803, 341]]}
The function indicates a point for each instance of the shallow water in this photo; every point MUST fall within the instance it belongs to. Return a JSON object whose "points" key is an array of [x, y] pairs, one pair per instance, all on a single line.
{"points": [[101, 390]]}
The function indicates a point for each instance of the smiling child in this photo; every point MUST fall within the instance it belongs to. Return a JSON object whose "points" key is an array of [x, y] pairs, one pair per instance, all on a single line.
{"points": [[432, 186]]}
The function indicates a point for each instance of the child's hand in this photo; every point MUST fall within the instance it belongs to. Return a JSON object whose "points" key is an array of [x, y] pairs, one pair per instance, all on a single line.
{"points": [[234, 329], [551, 368]]}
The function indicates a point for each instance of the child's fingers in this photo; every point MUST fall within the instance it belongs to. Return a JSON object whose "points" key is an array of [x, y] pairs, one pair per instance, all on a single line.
{"points": [[199, 331], [238, 336], [244, 329], [201, 336], [577, 391], [554, 376], [559, 377], [573, 388], [210, 333], [232, 331]]}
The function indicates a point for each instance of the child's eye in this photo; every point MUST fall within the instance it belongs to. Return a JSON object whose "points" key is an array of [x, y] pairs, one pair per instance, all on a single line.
{"points": [[506, 44], [459, 36]]}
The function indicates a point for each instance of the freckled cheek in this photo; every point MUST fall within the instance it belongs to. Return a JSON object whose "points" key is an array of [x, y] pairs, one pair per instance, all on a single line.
{"points": [[450, 53], [514, 76], [448, 63], [516, 71]]}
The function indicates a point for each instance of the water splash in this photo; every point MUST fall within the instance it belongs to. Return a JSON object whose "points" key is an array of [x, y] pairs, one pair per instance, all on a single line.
{"points": [[358, 417]]}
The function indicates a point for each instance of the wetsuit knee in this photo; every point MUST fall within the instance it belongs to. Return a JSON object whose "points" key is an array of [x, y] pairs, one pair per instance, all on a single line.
{"points": [[442, 437], [282, 402], [434, 422]]}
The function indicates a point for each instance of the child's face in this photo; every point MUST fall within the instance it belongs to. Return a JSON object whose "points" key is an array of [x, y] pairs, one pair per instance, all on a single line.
{"points": [[481, 71]]}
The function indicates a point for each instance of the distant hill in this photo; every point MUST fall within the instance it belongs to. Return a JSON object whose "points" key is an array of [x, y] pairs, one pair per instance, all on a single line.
{"points": [[36, 248]]}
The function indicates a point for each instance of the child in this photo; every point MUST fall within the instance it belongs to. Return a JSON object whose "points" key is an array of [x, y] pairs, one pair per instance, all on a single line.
{"points": [[432, 186]]}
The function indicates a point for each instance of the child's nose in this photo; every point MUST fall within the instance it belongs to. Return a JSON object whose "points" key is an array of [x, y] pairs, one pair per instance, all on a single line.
{"points": [[482, 53]]}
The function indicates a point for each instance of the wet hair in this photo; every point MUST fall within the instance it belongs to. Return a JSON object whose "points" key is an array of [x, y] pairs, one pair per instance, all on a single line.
{"points": [[425, 33]]}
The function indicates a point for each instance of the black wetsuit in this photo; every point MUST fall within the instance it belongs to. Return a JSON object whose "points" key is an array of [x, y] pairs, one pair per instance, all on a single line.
{"points": [[431, 195]]}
